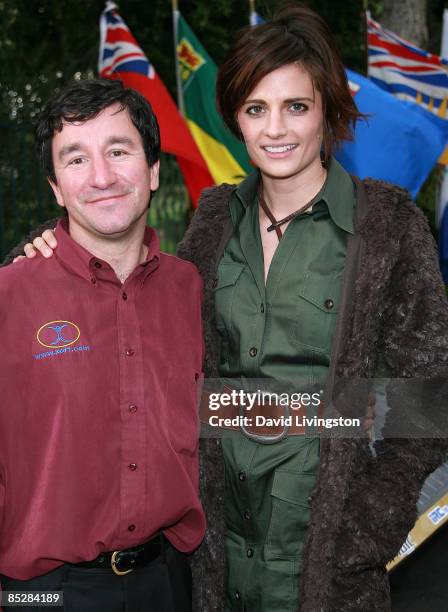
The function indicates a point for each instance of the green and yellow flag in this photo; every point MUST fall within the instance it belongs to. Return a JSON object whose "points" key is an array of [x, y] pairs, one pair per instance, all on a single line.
{"points": [[226, 157]]}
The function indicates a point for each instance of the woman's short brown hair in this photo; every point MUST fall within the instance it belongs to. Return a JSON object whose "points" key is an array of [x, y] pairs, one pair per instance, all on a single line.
{"points": [[296, 34]]}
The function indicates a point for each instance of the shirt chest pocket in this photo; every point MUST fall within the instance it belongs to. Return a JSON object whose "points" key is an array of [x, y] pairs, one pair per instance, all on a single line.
{"points": [[316, 312], [228, 277]]}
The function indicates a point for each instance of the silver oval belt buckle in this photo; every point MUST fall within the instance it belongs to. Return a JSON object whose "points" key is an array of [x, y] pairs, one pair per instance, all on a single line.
{"points": [[113, 563], [261, 439]]}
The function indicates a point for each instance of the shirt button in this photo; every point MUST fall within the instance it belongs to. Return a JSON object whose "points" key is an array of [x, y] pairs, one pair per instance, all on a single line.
{"points": [[131, 527], [97, 264], [93, 280], [262, 308], [247, 515], [242, 476], [253, 352], [124, 295], [132, 408], [250, 552], [129, 352], [132, 467], [237, 595], [328, 304]]}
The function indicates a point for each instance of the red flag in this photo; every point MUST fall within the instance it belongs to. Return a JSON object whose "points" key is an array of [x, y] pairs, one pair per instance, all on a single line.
{"points": [[121, 58]]}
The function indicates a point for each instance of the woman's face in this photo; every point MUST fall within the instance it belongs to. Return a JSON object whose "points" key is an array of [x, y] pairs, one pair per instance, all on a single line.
{"points": [[282, 123]]}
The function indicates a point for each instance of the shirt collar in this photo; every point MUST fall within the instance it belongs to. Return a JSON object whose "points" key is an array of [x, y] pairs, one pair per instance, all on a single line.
{"points": [[82, 262], [338, 193]]}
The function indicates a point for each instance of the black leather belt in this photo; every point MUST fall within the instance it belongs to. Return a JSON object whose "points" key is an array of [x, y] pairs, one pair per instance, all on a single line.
{"points": [[124, 561]]}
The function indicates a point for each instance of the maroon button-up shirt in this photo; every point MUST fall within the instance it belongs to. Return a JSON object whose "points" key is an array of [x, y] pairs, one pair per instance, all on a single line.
{"points": [[98, 419]]}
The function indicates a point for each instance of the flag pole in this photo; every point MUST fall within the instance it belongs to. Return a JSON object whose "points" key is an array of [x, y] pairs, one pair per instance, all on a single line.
{"points": [[366, 13], [180, 98], [251, 11]]}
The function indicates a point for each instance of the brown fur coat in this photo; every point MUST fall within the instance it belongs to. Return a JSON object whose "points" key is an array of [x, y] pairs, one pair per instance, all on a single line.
{"points": [[393, 311]]}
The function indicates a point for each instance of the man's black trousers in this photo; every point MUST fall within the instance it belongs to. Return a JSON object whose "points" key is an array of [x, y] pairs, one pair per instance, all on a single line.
{"points": [[164, 585]]}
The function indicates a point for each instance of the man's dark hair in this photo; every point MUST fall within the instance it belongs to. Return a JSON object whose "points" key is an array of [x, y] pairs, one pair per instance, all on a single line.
{"points": [[83, 100]]}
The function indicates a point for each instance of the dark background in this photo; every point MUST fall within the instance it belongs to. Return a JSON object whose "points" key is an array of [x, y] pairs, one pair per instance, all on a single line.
{"points": [[44, 43]]}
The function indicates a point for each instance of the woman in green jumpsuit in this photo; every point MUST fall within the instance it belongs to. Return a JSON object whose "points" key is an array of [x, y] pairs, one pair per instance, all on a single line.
{"points": [[278, 286]]}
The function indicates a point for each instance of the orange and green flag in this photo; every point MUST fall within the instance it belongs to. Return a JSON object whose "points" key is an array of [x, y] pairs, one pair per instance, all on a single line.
{"points": [[225, 155]]}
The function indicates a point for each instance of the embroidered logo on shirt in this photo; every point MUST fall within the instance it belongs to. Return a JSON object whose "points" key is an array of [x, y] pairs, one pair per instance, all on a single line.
{"points": [[59, 336]]}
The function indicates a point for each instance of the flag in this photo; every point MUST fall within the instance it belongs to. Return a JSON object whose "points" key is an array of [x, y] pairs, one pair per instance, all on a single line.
{"points": [[442, 225], [399, 142], [413, 74], [225, 155], [255, 18], [122, 58], [442, 209], [407, 71]]}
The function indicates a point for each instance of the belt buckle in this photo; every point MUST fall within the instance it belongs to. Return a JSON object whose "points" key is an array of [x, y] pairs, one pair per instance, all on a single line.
{"points": [[113, 563], [265, 439]]}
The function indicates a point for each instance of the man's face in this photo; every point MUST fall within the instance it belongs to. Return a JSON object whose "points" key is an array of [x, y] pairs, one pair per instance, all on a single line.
{"points": [[102, 175]]}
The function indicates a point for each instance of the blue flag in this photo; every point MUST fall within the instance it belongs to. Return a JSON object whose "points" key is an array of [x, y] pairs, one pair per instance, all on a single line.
{"points": [[400, 142], [255, 18], [442, 225]]}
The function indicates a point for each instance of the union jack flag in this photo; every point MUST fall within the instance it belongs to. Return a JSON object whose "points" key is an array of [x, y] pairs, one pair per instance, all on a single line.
{"points": [[119, 51], [407, 71], [122, 58]]}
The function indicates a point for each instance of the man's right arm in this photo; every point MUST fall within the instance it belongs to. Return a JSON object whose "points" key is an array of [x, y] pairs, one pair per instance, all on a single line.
{"points": [[36, 233]]}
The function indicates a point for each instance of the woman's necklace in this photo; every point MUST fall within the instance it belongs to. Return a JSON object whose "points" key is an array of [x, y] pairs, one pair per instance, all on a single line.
{"points": [[275, 225]]}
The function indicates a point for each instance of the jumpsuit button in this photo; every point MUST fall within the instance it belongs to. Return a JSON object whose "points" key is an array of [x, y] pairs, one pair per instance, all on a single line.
{"points": [[250, 552], [242, 476]]}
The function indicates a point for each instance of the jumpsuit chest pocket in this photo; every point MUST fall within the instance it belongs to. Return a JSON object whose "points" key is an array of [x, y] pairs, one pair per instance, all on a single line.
{"points": [[316, 312], [228, 276]]}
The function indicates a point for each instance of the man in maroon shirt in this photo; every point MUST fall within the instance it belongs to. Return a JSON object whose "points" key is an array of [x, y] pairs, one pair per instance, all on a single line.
{"points": [[101, 356]]}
